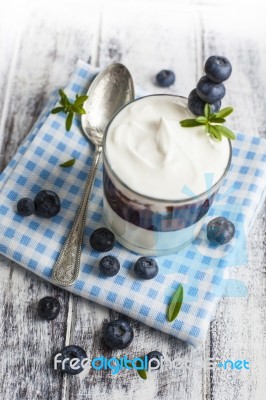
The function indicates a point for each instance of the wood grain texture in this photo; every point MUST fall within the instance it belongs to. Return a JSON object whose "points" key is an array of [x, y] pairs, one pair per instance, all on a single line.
{"points": [[28, 343], [50, 44], [47, 51], [238, 330], [146, 36]]}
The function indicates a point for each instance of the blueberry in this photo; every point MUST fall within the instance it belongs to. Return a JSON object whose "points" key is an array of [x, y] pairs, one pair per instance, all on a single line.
{"points": [[48, 308], [109, 265], [118, 334], [208, 91], [47, 204], [25, 207], [102, 239], [146, 268], [165, 78], [158, 356], [220, 230], [69, 353], [196, 105], [218, 68]]}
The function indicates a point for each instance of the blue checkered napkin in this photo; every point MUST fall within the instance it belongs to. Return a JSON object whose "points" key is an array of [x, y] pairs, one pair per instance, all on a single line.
{"points": [[35, 243]]}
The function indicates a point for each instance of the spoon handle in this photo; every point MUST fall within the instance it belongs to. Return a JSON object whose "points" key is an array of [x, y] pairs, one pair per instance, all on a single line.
{"points": [[66, 269]]}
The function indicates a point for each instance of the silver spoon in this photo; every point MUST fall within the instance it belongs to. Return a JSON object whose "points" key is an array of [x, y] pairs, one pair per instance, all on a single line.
{"points": [[109, 91]]}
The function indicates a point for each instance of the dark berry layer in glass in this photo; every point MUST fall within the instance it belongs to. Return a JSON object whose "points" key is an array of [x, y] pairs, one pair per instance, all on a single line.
{"points": [[170, 218]]}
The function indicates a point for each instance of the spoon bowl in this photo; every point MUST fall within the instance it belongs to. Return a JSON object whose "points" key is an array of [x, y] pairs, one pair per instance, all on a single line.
{"points": [[110, 91]]}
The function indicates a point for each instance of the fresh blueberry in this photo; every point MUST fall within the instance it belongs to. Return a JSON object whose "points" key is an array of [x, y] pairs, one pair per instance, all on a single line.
{"points": [[47, 204], [70, 359], [218, 68], [118, 334], [165, 78], [146, 268], [102, 240], [158, 356], [25, 207], [196, 105], [109, 265], [208, 91], [220, 230], [48, 308]]}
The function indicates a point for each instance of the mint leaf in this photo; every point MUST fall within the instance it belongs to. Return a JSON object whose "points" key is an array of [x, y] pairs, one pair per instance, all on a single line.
{"points": [[69, 120], [217, 120], [80, 100], [207, 110], [142, 373], [214, 131], [202, 120], [175, 304], [226, 132], [78, 109], [57, 110], [224, 112], [68, 163], [190, 123], [64, 100]]}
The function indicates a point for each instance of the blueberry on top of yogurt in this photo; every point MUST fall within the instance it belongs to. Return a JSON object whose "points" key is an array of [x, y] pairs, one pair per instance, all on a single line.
{"points": [[218, 68]]}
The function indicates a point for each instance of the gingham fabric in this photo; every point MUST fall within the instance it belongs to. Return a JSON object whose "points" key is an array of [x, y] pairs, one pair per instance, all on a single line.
{"points": [[35, 243]]}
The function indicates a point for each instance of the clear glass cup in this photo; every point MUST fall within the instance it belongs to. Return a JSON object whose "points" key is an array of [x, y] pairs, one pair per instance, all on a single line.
{"points": [[152, 226]]}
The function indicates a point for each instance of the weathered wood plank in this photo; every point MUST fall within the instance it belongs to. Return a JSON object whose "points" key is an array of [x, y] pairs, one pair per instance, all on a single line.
{"points": [[50, 45], [48, 48], [9, 43], [27, 342], [238, 330]]}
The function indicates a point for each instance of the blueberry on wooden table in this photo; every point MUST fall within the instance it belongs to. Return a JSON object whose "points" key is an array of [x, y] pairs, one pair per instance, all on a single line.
{"points": [[209, 91], [218, 68], [73, 356], [47, 204], [196, 104], [109, 265], [165, 78], [48, 308], [25, 207], [157, 356], [146, 268], [220, 230], [118, 334], [102, 240]]}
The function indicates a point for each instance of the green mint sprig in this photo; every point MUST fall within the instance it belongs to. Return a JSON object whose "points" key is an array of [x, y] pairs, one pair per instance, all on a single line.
{"points": [[70, 108], [213, 123]]}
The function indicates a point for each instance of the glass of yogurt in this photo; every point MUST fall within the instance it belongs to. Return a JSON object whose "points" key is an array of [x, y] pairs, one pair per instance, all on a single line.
{"points": [[157, 174]]}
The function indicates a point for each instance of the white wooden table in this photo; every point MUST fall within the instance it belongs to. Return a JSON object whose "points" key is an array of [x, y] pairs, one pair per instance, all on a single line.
{"points": [[39, 45]]}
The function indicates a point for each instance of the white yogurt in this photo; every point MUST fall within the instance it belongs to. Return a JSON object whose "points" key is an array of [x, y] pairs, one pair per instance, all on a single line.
{"points": [[153, 155]]}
